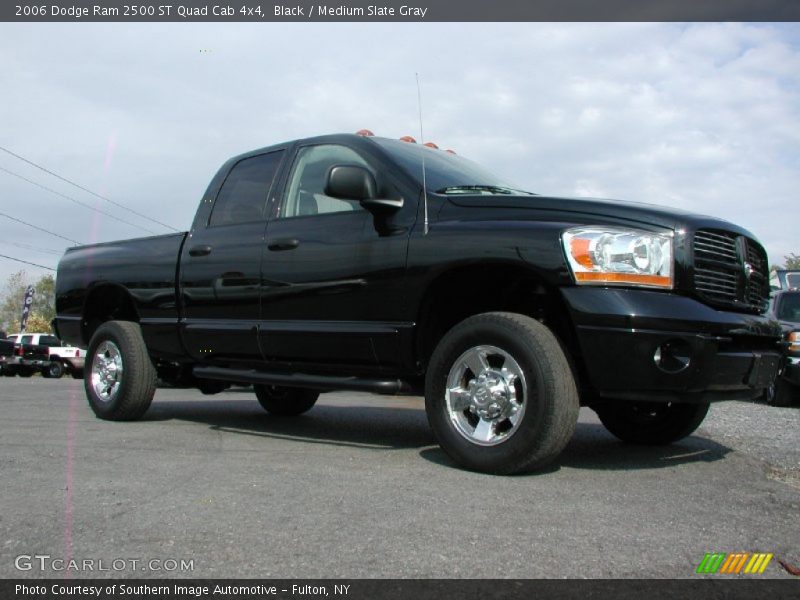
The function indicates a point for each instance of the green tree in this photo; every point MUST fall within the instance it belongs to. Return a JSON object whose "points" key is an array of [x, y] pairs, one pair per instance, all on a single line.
{"points": [[12, 299], [44, 300], [38, 324], [792, 261]]}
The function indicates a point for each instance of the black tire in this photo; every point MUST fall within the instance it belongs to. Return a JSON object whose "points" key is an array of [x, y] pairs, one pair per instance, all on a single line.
{"points": [[548, 410], [7, 372], [25, 373], [125, 396], [285, 401], [55, 370], [651, 423], [782, 393], [76, 373]]}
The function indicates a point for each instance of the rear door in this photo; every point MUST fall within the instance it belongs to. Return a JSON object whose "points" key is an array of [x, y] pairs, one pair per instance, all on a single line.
{"points": [[221, 265]]}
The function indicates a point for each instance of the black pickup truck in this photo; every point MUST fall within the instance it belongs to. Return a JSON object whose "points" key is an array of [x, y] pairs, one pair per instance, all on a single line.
{"points": [[353, 262]]}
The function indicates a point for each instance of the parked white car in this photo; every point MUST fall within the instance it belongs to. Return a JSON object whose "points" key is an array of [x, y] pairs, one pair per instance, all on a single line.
{"points": [[62, 357]]}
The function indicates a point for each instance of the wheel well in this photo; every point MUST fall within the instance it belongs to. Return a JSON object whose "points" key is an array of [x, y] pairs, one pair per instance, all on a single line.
{"points": [[475, 289], [106, 303]]}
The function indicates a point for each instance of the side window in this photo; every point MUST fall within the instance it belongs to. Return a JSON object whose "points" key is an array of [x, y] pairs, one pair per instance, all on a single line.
{"points": [[243, 196], [13, 338], [26, 339], [305, 194], [49, 340]]}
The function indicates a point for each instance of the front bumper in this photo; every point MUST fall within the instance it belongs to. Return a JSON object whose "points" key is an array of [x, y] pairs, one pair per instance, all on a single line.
{"points": [[648, 345], [76, 363]]}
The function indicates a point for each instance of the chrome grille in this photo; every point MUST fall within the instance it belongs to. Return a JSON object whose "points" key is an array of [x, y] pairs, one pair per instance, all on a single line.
{"points": [[730, 270]]}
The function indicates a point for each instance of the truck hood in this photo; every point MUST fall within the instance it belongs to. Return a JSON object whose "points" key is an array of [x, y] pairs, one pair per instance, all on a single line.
{"points": [[594, 208]]}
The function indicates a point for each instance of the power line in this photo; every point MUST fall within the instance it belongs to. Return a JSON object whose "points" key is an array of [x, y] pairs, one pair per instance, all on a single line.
{"points": [[71, 199], [2, 214], [88, 191], [26, 262], [34, 248]]}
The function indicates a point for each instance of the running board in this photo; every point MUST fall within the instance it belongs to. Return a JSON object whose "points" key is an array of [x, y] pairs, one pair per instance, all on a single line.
{"points": [[317, 382]]}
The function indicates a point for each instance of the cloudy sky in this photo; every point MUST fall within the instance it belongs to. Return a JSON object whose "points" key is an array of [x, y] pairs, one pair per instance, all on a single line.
{"points": [[697, 116]]}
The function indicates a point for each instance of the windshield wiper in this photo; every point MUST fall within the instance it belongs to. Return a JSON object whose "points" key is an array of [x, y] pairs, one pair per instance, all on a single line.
{"points": [[491, 189]]}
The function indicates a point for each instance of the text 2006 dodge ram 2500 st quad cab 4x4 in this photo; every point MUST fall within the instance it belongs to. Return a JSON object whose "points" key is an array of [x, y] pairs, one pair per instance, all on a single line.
{"points": [[317, 265]]}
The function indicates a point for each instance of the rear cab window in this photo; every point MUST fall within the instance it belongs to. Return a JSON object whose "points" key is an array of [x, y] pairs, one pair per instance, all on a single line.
{"points": [[243, 197]]}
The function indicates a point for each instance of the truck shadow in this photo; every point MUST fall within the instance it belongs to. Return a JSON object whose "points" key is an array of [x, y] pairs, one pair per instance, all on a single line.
{"points": [[593, 448], [372, 427], [405, 427]]}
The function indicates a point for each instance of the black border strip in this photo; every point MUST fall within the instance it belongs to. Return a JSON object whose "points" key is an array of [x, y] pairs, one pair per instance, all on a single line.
{"points": [[709, 588], [400, 11]]}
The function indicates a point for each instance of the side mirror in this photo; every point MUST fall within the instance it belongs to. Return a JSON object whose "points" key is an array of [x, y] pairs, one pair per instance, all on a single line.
{"points": [[350, 182], [353, 182]]}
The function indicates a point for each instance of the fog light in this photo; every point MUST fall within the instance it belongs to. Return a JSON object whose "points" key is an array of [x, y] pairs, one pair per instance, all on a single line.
{"points": [[673, 356]]}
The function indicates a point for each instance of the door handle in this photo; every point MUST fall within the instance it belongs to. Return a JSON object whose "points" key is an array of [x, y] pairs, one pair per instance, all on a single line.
{"points": [[200, 251], [287, 244]]}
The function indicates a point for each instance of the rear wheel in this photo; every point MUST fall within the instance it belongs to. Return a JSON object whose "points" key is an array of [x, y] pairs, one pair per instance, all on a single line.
{"points": [[651, 423], [120, 379], [285, 401], [25, 372], [500, 395]]}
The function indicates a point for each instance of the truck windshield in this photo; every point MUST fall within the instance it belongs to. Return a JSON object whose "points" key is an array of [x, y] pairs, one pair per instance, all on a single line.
{"points": [[446, 173]]}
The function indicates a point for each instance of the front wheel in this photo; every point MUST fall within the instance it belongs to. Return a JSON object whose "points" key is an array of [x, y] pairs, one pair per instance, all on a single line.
{"points": [[54, 370], [781, 393], [500, 394], [284, 401], [120, 379], [651, 423]]}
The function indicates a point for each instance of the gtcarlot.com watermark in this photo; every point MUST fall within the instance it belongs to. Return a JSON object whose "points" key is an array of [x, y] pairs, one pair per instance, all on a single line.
{"points": [[54, 564]]}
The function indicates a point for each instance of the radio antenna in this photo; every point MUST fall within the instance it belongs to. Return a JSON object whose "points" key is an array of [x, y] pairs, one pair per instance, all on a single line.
{"points": [[422, 149]]}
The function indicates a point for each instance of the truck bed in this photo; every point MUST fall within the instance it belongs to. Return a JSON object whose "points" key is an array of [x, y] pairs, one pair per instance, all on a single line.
{"points": [[145, 267]]}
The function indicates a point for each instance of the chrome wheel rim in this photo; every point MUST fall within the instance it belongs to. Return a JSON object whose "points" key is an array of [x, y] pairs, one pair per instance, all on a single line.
{"points": [[107, 371], [486, 395]]}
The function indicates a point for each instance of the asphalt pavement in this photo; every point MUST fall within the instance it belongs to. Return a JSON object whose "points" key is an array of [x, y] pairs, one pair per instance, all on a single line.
{"points": [[215, 487]]}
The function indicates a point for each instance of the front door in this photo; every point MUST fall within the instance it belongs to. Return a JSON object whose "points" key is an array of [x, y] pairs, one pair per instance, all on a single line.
{"points": [[331, 283]]}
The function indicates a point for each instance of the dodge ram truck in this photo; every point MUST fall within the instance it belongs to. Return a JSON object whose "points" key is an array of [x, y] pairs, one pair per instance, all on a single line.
{"points": [[354, 262]]}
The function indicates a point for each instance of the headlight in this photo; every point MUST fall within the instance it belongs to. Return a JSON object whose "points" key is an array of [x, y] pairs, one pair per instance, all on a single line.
{"points": [[610, 255]]}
